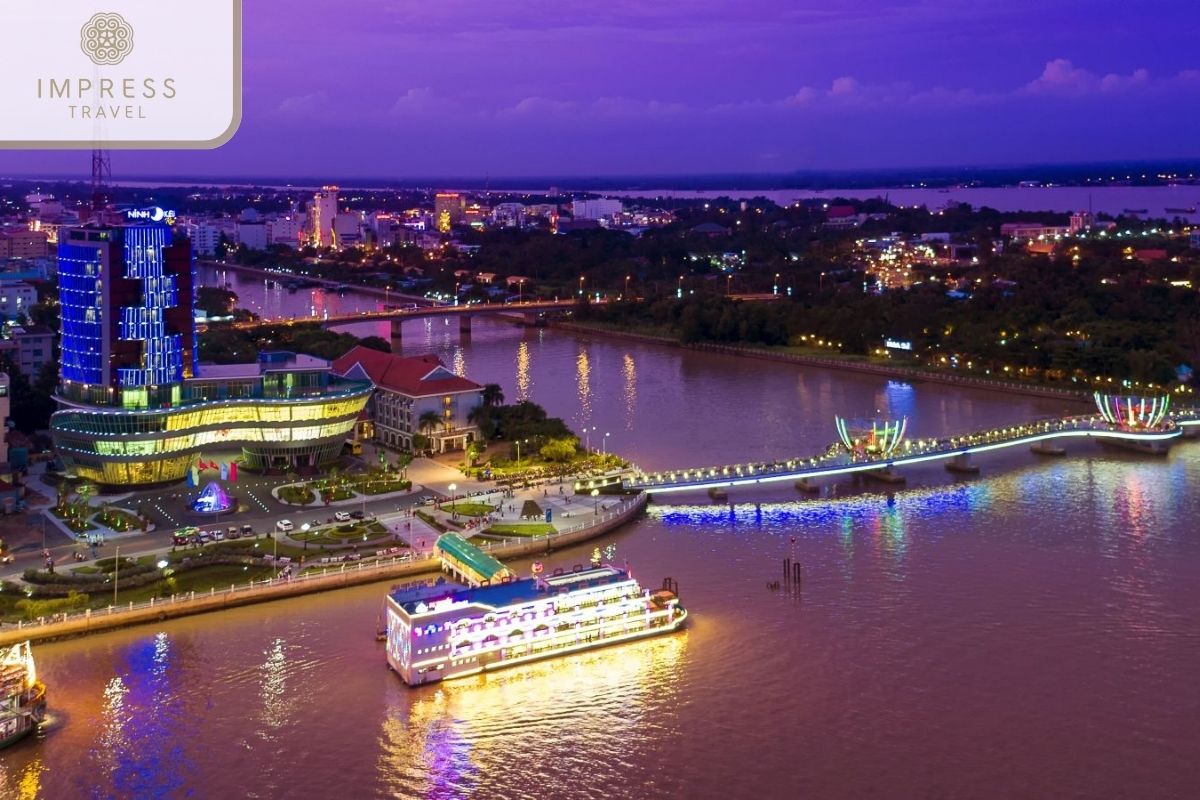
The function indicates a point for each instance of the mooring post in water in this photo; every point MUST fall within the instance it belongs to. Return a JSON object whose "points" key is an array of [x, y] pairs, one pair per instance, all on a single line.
{"points": [[787, 568], [798, 573]]}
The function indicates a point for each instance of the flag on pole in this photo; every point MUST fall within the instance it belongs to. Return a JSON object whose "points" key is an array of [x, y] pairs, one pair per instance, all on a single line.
{"points": [[193, 477], [224, 471], [233, 471]]}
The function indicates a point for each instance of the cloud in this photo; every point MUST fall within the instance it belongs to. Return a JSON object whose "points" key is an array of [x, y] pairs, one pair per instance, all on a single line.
{"points": [[421, 102], [538, 105], [1061, 77], [304, 105], [844, 86]]}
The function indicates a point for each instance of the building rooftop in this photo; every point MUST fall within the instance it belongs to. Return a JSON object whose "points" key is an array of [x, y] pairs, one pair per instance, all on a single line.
{"points": [[487, 566], [500, 595], [419, 376], [273, 361]]}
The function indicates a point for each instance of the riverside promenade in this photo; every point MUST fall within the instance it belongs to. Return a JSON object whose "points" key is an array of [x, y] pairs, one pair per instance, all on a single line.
{"points": [[319, 579]]}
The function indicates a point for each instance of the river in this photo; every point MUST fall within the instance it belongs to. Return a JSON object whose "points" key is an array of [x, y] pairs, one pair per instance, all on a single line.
{"points": [[1144, 201], [1031, 632]]}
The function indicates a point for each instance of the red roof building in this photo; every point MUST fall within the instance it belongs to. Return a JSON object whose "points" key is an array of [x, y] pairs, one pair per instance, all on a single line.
{"points": [[415, 397]]}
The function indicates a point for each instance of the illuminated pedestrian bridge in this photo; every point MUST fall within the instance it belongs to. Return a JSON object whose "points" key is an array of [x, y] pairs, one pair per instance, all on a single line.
{"points": [[1143, 423]]}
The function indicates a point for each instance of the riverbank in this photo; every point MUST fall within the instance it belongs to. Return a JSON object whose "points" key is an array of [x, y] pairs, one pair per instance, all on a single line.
{"points": [[827, 362], [323, 579]]}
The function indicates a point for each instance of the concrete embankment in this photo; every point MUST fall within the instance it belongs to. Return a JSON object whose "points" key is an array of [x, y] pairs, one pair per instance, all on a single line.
{"points": [[904, 373], [341, 576]]}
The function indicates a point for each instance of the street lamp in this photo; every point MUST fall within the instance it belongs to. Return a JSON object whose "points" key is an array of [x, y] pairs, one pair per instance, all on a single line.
{"points": [[518, 444], [775, 289], [679, 289], [581, 280], [595, 502], [453, 487], [587, 438], [627, 277], [729, 284], [604, 443]]}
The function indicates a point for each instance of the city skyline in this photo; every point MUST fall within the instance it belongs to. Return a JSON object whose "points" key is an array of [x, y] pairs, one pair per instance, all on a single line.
{"points": [[410, 91]]}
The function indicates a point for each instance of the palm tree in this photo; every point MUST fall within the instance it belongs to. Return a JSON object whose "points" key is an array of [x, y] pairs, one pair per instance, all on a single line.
{"points": [[429, 421], [66, 488], [493, 395], [85, 493]]}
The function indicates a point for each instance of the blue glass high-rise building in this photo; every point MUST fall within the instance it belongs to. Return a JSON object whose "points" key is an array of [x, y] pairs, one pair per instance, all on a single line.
{"points": [[128, 332], [136, 408]]}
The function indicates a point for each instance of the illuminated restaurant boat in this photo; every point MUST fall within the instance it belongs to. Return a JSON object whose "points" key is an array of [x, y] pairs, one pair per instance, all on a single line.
{"points": [[450, 631], [22, 695]]}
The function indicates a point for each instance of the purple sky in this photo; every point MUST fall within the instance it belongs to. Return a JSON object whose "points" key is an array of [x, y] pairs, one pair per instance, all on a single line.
{"points": [[398, 88]]}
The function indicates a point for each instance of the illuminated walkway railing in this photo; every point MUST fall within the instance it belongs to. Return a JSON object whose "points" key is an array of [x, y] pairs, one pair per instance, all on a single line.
{"points": [[836, 461]]}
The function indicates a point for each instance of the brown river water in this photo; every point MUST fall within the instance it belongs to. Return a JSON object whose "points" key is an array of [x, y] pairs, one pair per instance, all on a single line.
{"points": [[1028, 633]]}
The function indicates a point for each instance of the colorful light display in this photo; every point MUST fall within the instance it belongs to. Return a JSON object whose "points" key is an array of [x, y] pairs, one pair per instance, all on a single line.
{"points": [[212, 500], [472, 630], [871, 437], [1133, 413]]}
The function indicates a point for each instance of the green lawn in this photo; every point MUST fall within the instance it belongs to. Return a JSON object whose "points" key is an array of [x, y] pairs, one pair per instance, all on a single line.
{"points": [[468, 509], [296, 495], [352, 532], [75, 525], [383, 487], [431, 521], [249, 547], [219, 577], [521, 529], [119, 520], [335, 493]]}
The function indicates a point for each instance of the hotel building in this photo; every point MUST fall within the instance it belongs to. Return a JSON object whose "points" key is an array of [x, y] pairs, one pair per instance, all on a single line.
{"points": [[408, 388], [137, 408]]}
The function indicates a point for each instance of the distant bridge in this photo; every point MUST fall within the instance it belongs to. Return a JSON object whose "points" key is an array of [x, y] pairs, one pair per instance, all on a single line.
{"points": [[957, 449], [530, 310]]}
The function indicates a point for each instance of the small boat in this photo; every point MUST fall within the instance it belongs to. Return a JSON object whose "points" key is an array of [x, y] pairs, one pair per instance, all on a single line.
{"points": [[1135, 211], [22, 695], [1191, 210]]}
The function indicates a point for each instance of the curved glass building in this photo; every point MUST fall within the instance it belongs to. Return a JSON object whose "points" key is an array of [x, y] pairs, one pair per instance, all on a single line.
{"points": [[136, 408]]}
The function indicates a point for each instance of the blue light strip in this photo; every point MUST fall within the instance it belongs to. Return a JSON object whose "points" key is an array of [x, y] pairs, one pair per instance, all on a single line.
{"points": [[162, 352], [819, 472], [81, 277]]}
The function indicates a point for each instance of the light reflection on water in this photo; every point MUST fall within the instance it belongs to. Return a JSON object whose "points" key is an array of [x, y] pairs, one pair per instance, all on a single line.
{"points": [[629, 372], [524, 382], [510, 728], [583, 371]]}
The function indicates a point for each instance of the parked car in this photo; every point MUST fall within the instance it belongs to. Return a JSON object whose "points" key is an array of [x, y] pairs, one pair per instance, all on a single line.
{"points": [[247, 530], [357, 514], [233, 533], [284, 526], [341, 516]]}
